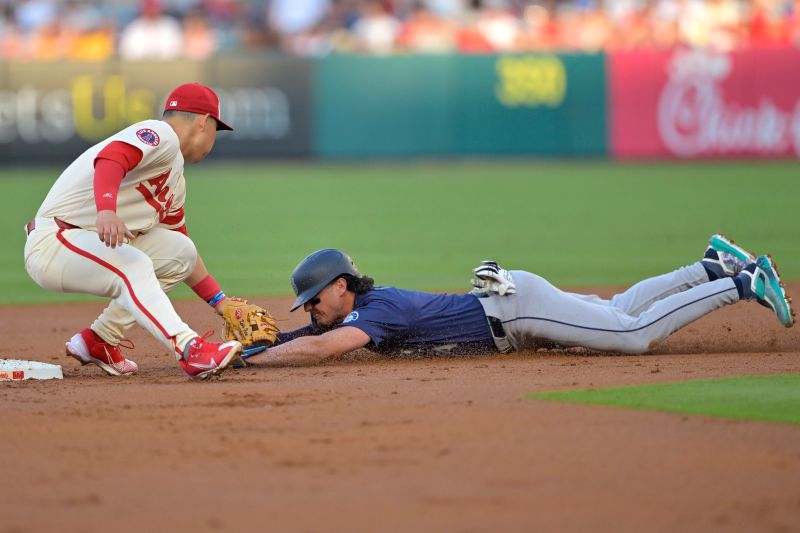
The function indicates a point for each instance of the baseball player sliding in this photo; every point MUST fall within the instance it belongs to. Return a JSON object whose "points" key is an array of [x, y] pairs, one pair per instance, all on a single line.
{"points": [[113, 225], [513, 310]]}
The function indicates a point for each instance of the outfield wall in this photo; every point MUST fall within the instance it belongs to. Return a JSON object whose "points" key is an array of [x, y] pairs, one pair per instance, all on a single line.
{"points": [[626, 105], [551, 105]]}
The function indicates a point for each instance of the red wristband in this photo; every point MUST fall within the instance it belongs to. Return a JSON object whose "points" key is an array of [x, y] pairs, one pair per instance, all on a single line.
{"points": [[206, 288]]}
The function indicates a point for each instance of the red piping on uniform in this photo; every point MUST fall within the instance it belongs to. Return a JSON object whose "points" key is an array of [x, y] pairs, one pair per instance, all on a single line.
{"points": [[119, 273]]}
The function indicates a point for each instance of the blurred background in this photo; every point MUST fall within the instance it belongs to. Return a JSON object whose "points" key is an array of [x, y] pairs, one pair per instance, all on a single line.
{"points": [[590, 141], [363, 78], [88, 30]]}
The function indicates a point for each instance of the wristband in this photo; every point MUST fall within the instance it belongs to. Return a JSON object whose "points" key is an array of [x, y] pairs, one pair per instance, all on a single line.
{"points": [[207, 288], [216, 299]]}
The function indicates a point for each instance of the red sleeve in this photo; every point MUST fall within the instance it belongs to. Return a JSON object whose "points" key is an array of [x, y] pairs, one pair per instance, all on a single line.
{"points": [[127, 155], [107, 177], [110, 167]]}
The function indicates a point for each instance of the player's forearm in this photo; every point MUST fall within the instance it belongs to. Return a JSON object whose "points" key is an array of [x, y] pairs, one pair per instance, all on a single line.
{"points": [[286, 336], [302, 351], [205, 286], [198, 274]]}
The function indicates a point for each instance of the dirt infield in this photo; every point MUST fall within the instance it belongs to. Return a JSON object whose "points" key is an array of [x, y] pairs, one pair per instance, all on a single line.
{"points": [[368, 443]]}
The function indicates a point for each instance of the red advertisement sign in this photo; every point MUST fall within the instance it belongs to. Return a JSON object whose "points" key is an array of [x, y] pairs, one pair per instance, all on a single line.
{"points": [[690, 104]]}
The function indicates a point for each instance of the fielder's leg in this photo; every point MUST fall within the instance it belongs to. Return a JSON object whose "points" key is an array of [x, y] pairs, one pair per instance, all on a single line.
{"points": [[76, 260], [174, 257]]}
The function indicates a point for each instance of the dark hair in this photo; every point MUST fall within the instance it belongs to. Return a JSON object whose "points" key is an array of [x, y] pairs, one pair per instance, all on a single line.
{"points": [[186, 115], [358, 285]]}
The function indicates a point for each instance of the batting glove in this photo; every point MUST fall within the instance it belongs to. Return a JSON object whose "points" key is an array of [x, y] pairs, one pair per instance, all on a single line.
{"points": [[489, 277]]}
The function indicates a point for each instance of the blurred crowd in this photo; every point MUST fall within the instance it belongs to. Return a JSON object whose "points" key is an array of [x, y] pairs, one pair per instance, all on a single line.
{"points": [[88, 30]]}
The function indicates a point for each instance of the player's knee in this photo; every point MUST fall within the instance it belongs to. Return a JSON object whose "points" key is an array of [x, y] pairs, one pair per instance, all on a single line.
{"points": [[185, 257], [138, 266], [639, 346], [181, 261]]}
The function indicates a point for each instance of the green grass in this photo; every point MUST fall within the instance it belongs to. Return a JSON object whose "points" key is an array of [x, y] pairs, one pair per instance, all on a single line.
{"points": [[425, 225], [766, 398]]}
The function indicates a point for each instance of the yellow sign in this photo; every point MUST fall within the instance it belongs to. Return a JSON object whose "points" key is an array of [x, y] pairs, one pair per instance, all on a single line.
{"points": [[120, 106], [531, 81]]}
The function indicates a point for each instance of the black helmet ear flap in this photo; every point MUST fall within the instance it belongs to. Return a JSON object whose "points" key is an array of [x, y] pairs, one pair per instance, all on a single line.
{"points": [[317, 270]]}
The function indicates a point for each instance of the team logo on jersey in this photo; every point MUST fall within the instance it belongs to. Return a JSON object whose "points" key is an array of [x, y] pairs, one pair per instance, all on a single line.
{"points": [[351, 317], [148, 136]]}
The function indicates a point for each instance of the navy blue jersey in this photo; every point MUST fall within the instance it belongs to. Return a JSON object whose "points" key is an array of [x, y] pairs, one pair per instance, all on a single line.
{"points": [[402, 321]]}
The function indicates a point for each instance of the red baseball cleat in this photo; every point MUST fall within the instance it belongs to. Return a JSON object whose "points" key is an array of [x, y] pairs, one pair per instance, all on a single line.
{"points": [[203, 359], [87, 347]]}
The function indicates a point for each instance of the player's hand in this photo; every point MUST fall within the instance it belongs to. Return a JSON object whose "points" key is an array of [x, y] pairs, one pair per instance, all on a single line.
{"points": [[111, 229], [490, 277]]}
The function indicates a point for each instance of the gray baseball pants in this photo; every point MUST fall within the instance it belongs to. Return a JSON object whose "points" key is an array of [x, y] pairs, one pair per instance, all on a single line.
{"points": [[630, 322]]}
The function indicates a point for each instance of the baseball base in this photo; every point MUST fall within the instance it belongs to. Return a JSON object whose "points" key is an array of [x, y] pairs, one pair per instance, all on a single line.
{"points": [[18, 370]]}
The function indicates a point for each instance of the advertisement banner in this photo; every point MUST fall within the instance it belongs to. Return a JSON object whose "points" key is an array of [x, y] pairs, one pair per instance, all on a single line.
{"points": [[520, 104], [52, 112], [689, 104]]}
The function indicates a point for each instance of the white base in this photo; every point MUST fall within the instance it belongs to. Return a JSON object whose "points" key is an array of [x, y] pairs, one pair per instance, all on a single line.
{"points": [[17, 370]]}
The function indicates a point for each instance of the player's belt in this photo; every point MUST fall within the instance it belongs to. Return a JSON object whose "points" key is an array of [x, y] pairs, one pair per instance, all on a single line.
{"points": [[495, 313], [499, 334], [30, 226]]}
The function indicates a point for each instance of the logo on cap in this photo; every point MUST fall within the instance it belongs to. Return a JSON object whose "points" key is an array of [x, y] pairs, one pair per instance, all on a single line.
{"points": [[173, 103], [148, 136]]}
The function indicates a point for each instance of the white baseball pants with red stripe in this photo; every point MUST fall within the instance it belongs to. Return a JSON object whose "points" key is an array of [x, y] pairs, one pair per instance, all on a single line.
{"points": [[135, 276]]}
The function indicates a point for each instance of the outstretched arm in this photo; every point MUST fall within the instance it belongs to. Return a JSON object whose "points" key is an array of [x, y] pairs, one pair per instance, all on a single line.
{"points": [[313, 349]]}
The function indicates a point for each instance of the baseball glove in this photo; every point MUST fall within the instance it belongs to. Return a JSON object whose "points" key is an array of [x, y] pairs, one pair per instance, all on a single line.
{"points": [[249, 324]]}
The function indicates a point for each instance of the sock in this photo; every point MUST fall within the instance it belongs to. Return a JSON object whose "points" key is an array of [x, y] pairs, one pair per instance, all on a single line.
{"points": [[745, 277], [739, 287], [711, 275]]}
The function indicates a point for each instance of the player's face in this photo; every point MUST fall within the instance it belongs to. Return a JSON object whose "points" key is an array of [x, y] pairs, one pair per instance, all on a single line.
{"points": [[206, 136], [329, 307]]}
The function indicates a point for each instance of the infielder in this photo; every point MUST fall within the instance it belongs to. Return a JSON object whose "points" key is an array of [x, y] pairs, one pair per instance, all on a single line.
{"points": [[113, 225], [513, 310]]}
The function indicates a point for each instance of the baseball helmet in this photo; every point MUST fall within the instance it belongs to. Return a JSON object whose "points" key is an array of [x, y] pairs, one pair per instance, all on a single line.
{"points": [[317, 270]]}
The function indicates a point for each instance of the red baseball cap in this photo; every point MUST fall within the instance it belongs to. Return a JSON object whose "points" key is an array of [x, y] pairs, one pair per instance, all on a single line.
{"points": [[196, 98]]}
